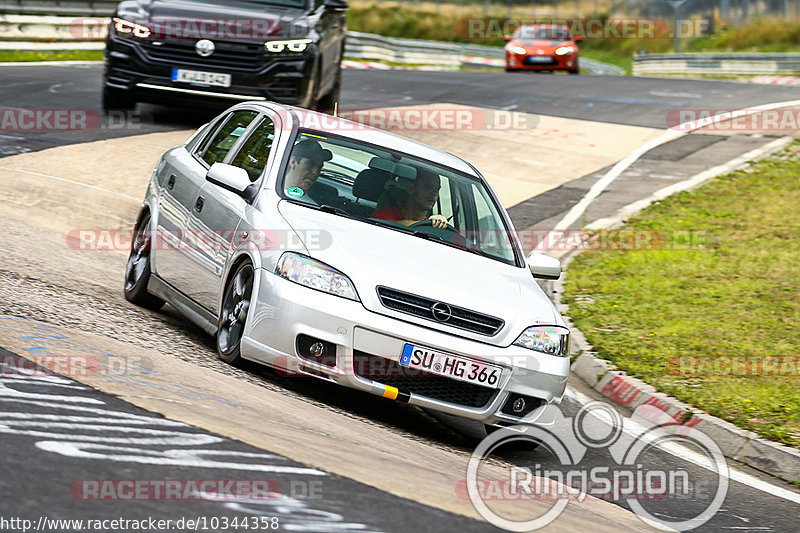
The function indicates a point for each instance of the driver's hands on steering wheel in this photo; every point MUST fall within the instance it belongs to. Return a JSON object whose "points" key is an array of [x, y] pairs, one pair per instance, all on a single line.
{"points": [[438, 221]]}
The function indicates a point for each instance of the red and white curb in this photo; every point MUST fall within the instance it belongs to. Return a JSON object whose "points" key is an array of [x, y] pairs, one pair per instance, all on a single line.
{"points": [[776, 80]]}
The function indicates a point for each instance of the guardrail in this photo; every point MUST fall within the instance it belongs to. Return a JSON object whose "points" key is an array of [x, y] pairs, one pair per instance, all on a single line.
{"points": [[726, 64], [84, 8], [52, 33]]}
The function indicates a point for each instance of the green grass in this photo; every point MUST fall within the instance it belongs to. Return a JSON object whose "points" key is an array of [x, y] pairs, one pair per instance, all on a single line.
{"points": [[623, 62], [65, 55], [729, 290]]}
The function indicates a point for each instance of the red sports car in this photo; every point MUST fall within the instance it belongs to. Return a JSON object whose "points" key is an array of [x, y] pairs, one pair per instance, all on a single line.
{"points": [[542, 47]]}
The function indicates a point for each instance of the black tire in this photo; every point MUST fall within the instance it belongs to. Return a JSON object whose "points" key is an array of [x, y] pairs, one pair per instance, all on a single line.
{"points": [[117, 100], [233, 315], [137, 269], [576, 70]]}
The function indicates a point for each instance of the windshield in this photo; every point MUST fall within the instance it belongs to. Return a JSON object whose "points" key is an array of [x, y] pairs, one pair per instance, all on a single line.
{"points": [[541, 34], [393, 190]]}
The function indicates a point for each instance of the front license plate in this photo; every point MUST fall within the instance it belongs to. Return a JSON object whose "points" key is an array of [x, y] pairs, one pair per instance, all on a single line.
{"points": [[451, 366], [215, 79], [539, 59]]}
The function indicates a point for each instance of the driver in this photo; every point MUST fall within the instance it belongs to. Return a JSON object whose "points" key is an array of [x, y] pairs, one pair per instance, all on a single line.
{"points": [[422, 194], [305, 165]]}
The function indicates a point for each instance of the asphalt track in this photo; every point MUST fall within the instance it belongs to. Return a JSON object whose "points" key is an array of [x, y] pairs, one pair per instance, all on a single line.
{"points": [[635, 102]]}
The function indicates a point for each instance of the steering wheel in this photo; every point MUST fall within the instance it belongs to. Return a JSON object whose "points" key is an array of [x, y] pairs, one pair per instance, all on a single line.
{"points": [[448, 233], [429, 223]]}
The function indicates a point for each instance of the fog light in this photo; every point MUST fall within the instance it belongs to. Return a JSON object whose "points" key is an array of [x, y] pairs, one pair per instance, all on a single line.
{"points": [[519, 405], [316, 349]]}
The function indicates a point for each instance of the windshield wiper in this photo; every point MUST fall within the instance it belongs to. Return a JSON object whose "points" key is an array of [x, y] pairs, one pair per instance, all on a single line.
{"points": [[327, 208], [431, 237]]}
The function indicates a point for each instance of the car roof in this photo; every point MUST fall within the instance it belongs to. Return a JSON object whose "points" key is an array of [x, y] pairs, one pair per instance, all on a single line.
{"points": [[308, 119]]}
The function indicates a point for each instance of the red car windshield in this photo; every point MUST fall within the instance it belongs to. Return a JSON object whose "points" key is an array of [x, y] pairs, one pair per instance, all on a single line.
{"points": [[541, 34]]}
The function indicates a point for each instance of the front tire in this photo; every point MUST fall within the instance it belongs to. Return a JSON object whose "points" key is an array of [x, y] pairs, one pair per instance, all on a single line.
{"points": [[117, 100], [327, 103], [233, 315], [137, 270]]}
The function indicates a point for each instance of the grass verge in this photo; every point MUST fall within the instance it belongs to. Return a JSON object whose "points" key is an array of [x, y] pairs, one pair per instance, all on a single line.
{"points": [[65, 55], [724, 285]]}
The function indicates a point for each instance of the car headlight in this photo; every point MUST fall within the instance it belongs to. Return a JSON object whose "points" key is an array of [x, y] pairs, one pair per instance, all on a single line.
{"points": [[564, 50], [126, 27], [292, 45], [315, 275], [552, 340], [518, 50]]}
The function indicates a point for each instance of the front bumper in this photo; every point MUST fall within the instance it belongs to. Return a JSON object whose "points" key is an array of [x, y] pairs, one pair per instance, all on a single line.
{"points": [[283, 311], [144, 69], [541, 62]]}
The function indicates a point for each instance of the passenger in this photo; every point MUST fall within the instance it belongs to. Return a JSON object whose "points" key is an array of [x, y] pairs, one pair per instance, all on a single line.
{"points": [[422, 195], [305, 164]]}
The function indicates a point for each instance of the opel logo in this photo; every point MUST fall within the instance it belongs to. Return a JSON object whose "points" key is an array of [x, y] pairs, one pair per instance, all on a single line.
{"points": [[441, 312], [204, 48]]}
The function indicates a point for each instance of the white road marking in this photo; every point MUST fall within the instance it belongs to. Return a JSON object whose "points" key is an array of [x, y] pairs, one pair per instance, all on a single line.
{"points": [[695, 458], [676, 94], [617, 170], [697, 179], [56, 178]]}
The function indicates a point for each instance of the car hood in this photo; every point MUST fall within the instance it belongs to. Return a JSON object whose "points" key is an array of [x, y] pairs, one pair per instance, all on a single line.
{"points": [[156, 12], [546, 45], [373, 256]]}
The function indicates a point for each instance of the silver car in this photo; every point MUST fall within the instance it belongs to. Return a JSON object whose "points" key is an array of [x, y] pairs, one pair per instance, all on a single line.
{"points": [[326, 248]]}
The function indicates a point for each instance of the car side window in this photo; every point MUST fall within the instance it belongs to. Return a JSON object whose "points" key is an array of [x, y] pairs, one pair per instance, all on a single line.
{"points": [[254, 153], [227, 136]]}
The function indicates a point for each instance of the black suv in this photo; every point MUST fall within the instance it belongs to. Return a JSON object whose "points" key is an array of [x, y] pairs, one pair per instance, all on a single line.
{"points": [[217, 52]]}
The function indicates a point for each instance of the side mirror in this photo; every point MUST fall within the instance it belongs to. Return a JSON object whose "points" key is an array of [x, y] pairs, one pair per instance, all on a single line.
{"points": [[577, 38], [543, 266], [229, 177], [506, 37], [335, 5]]}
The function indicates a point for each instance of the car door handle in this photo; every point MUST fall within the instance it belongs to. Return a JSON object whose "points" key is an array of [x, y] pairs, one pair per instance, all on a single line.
{"points": [[198, 205], [171, 182]]}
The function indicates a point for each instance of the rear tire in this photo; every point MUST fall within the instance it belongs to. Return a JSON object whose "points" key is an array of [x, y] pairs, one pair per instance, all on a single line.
{"points": [[137, 270], [233, 315]]}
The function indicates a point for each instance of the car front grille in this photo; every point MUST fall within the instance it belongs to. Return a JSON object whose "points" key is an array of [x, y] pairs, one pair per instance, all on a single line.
{"points": [[423, 307], [228, 54], [411, 380]]}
